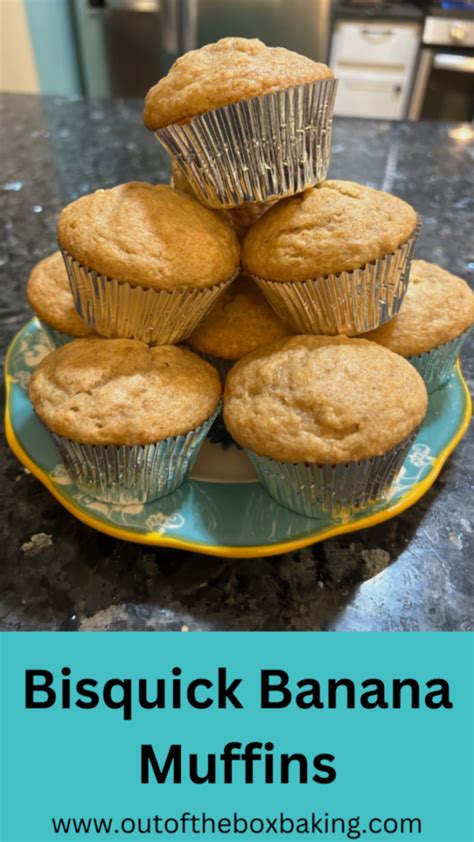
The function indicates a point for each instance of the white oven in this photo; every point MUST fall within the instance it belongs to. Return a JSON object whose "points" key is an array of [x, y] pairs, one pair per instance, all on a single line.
{"points": [[374, 62]]}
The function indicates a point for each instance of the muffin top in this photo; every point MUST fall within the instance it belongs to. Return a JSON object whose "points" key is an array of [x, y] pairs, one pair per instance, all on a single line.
{"points": [[121, 391], [241, 218], [323, 399], [245, 216], [149, 235], [437, 308], [49, 295], [222, 73], [335, 227], [240, 321]]}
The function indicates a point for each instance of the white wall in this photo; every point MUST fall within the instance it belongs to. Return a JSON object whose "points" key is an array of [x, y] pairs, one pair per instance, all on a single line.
{"points": [[17, 63]]}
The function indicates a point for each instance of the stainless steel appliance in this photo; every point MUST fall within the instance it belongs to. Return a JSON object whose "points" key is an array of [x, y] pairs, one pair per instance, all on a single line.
{"points": [[127, 45], [444, 81]]}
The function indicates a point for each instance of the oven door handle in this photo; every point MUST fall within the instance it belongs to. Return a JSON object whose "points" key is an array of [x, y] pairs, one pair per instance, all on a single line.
{"points": [[377, 33], [420, 84], [445, 61], [131, 5]]}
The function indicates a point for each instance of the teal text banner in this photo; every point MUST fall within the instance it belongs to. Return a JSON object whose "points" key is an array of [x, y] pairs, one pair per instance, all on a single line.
{"points": [[236, 736]]}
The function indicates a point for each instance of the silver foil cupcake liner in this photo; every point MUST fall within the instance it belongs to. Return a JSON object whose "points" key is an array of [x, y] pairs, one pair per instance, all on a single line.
{"points": [[435, 366], [121, 310], [330, 491], [223, 366], [56, 338], [350, 302], [133, 474], [258, 149]]}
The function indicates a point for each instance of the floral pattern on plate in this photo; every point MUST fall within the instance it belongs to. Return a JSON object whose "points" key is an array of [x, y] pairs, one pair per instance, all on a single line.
{"points": [[222, 510]]}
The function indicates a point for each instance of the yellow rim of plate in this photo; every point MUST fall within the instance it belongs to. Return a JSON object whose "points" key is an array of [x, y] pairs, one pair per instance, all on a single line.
{"points": [[155, 538]]}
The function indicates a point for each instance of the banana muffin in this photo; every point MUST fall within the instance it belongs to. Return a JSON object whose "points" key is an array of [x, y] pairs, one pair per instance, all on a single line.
{"points": [[334, 259], [241, 218], [246, 122], [49, 295], [304, 410], [128, 418], [434, 321], [145, 261], [220, 74], [240, 321]]}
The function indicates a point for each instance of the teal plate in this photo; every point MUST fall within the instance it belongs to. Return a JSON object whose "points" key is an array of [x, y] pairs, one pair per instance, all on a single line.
{"points": [[222, 510]]}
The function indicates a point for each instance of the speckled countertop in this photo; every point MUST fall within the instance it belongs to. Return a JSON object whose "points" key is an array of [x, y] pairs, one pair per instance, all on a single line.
{"points": [[414, 572]]}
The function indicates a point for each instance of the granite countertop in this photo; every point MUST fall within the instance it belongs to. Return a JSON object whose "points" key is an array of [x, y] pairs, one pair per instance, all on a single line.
{"points": [[411, 573]]}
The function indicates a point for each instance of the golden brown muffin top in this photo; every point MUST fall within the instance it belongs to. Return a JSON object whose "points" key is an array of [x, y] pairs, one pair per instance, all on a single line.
{"points": [[323, 399], [49, 295], [149, 235], [437, 308], [335, 227], [245, 216], [222, 73], [241, 218], [240, 321], [121, 391]]}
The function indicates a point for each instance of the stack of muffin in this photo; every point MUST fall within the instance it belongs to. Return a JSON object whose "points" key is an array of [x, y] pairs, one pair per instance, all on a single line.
{"points": [[269, 273]]}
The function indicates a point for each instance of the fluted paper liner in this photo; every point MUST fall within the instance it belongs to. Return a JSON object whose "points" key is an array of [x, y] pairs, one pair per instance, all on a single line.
{"points": [[349, 302], [258, 149], [335, 491], [122, 310], [435, 366], [133, 474]]}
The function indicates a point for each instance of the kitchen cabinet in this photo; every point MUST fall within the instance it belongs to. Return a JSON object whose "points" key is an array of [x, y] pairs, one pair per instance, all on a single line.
{"points": [[374, 62]]}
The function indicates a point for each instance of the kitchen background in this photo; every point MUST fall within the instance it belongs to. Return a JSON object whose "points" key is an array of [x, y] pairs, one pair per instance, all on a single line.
{"points": [[395, 60]]}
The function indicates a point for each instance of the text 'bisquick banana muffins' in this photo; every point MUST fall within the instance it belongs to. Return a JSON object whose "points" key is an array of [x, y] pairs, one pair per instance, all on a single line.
{"points": [[326, 421], [334, 260], [433, 323], [240, 321], [128, 419], [145, 261], [49, 295], [245, 122]]}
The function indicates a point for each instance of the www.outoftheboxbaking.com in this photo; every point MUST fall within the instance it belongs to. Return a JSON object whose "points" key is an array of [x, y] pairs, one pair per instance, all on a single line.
{"points": [[313, 825]]}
